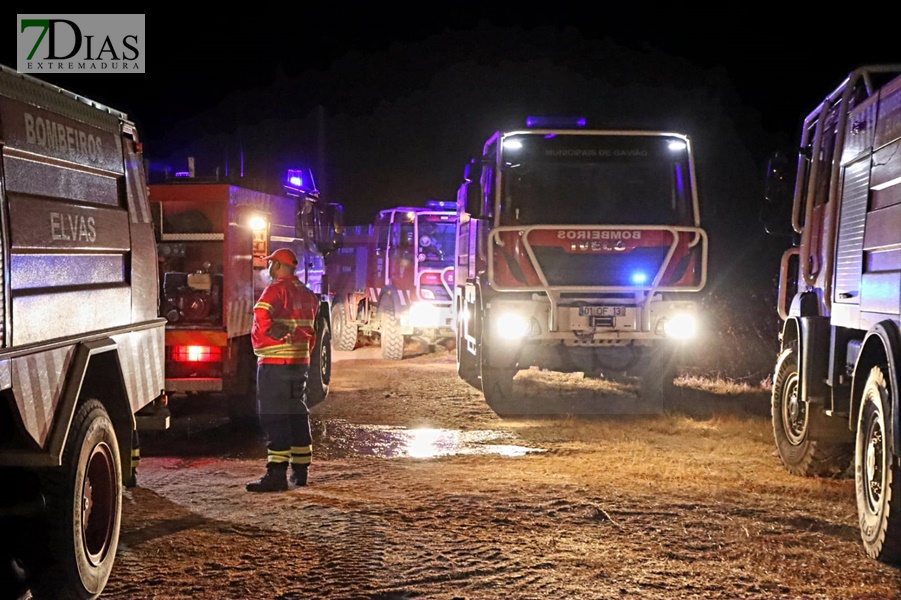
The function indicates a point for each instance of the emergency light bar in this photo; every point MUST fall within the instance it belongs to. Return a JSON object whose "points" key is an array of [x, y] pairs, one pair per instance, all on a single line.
{"points": [[442, 204], [555, 122]]}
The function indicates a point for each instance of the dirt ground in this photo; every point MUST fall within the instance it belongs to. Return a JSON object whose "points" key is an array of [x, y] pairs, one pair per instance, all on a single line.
{"points": [[418, 490]]}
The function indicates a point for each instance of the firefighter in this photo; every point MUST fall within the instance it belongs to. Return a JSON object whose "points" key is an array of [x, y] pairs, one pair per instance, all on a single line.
{"points": [[283, 336]]}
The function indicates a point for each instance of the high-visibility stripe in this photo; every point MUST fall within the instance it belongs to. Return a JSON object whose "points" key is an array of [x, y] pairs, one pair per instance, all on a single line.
{"points": [[295, 322], [278, 456], [284, 351], [263, 305], [135, 458], [301, 455]]}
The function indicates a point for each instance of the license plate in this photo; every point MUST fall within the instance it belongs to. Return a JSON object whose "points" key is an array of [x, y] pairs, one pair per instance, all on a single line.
{"points": [[602, 311]]}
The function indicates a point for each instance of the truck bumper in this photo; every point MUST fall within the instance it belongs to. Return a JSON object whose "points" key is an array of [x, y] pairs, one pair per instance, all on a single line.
{"points": [[194, 384]]}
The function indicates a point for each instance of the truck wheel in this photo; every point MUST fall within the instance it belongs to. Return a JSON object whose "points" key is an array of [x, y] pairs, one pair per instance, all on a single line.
{"points": [[84, 508], [801, 453], [877, 476], [657, 379], [497, 386], [320, 365], [344, 332], [392, 339]]}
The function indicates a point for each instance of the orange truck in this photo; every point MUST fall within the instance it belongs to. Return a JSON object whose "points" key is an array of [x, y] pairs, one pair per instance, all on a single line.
{"points": [[212, 237], [835, 402], [81, 340]]}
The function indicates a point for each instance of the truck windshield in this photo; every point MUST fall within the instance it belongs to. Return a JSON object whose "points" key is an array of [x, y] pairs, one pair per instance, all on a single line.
{"points": [[595, 180], [437, 236]]}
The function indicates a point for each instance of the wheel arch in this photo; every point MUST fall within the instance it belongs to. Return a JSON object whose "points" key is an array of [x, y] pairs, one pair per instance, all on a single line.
{"points": [[96, 373], [791, 333], [881, 346]]}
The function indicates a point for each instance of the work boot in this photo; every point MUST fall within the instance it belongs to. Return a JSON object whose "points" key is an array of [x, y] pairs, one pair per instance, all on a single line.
{"points": [[298, 476], [273, 481], [131, 480]]}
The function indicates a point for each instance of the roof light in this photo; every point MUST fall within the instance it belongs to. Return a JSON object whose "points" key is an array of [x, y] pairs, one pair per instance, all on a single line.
{"points": [[444, 204], [677, 145], [555, 122]]}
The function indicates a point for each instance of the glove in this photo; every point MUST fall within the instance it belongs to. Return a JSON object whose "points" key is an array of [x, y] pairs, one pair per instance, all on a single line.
{"points": [[278, 331]]}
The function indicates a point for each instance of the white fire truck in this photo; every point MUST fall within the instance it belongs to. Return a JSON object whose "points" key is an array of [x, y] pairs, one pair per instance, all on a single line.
{"points": [[212, 237], [394, 279], [836, 381], [578, 250], [81, 342]]}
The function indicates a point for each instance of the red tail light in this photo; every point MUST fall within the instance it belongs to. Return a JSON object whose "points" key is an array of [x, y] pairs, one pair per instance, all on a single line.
{"points": [[203, 354]]}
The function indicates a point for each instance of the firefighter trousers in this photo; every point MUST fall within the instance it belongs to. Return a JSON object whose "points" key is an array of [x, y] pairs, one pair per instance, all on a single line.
{"points": [[283, 412]]}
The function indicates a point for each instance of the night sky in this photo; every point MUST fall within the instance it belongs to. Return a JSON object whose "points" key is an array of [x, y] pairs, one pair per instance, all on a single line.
{"points": [[387, 104]]}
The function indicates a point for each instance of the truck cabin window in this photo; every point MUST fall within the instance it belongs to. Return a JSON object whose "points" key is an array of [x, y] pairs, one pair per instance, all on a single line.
{"points": [[584, 180]]}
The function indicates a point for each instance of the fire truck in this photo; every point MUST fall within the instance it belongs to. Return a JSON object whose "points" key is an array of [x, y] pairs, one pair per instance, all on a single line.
{"points": [[578, 250], [212, 240], [835, 385], [394, 279], [81, 342]]}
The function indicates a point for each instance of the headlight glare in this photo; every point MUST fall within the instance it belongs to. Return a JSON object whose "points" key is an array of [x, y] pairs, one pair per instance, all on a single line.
{"points": [[680, 326], [512, 326]]}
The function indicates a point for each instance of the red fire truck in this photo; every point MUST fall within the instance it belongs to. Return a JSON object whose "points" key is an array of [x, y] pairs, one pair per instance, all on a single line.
{"points": [[578, 250], [394, 279], [836, 381], [212, 238]]}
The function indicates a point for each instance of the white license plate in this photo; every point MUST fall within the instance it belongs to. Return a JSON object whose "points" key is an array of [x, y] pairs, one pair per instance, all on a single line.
{"points": [[602, 311]]}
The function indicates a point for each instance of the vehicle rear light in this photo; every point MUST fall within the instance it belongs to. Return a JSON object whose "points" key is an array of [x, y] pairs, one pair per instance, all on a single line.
{"points": [[197, 353]]}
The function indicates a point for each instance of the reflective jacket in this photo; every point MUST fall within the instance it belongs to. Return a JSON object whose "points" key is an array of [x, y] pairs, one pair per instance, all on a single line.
{"points": [[289, 306]]}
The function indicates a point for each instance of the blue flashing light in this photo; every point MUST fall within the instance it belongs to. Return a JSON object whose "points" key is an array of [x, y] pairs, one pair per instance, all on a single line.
{"points": [[639, 277], [555, 122], [182, 173], [299, 182], [441, 204], [295, 178]]}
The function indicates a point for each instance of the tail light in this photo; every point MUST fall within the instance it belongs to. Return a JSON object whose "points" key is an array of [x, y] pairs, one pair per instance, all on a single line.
{"points": [[197, 354]]}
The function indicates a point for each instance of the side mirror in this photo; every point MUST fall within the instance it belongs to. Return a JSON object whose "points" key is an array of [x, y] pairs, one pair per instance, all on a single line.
{"points": [[469, 195], [776, 210]]}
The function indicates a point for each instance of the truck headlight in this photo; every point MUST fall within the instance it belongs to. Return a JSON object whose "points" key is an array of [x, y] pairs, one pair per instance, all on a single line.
{"points": [[512, 326], [680, 326]]}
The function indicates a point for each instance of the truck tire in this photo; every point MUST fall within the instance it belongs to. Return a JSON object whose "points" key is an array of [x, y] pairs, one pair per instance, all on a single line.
{"points": [[657, 379], [799, 450], [392, 340], [84, 508], [344, 333], [877, 476], [497, 386], [320, 364]]}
